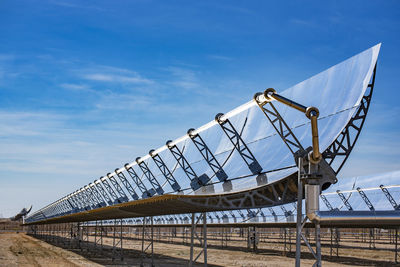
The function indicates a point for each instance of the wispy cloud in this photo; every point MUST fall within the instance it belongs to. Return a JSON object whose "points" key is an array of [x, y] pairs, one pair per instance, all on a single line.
{"points": [[110, 74], [102, 77], [220, 57], [184, 77], [76, 87]]}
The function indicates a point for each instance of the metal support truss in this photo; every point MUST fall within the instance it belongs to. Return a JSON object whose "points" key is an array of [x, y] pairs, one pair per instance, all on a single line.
{"points": [[149, 175], [280, 126], [95, 203], [147, 241], [344, 200], [344, 143], [96, 196], [90, 198], [202, 240], [239, 144], [252, 239], [96, 193], [109, 189], [139, 183], [196, 181], [366, 199], [98, 235], [103, 192], [327, 203], [127, 185], [86, 199], [84, 236], [165, 171], [271, 210], [121, 193], [208, 155], [389, 197], [117, 249], [78, 206], [335, 238]]}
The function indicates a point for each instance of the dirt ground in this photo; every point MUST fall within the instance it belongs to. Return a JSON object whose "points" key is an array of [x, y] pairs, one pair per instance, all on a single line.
{"points": [[19, 249]]}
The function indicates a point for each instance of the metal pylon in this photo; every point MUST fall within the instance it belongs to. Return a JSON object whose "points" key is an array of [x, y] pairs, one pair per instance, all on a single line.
{"points": [[98, 235], [203, 240], [147, 241], [117, 249], [301, 222]]}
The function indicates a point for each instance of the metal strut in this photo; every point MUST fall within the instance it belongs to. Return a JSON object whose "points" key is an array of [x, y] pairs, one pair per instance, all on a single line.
{"points": [[89, 197], [123, 197], [99, 202], [366, 199], [149, 175], [103, 192], [280, 125], [238, 143], [389, 197], [85, 199], [345, 201], [96, 193], [165, 171], [139, 183], [344, 143], [207, 155], [327, 204], [271, 210], [107, 186], [196, 181], [127, 185]]}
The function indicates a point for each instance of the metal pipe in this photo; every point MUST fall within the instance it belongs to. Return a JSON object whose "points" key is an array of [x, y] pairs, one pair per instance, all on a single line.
{"points": [[288, 102], [311, 112], [361, 218], [316, 156]]}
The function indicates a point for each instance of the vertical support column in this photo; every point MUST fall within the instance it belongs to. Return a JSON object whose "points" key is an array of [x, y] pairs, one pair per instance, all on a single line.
{"points": [[299, 214], [203, 240], [117, 240], [318, 243], [396, 246], [151, 240]]}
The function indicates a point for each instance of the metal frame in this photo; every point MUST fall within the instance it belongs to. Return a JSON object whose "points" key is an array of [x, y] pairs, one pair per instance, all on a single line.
{"points": [[118, 188], [366, 199], [208, 155], [339, 151], [239, 144], [194, 235], [139, 183], [149, 237], [149, 175], [103, 192], [165, 171], [109, 189], [117, 248], [127, 185], [390, 198], [195, 181], [344, 200]]}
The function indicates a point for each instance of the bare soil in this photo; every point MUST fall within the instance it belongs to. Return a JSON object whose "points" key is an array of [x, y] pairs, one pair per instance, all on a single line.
{"points": [[19, 249]]}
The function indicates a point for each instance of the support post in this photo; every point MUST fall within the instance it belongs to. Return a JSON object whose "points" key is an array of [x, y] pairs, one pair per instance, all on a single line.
{"points": [[299, 214]]}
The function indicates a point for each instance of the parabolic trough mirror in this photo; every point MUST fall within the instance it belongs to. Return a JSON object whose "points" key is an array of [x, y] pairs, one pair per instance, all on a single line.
{"points": [[241, 159]]}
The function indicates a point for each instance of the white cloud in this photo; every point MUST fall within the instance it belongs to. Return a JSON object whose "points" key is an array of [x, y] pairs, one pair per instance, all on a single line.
{"points": [[75, 87], [220, 57], [110, 74]]}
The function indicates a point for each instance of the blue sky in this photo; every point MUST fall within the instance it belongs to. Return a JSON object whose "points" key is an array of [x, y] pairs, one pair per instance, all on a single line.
{"points": [[86, 86]]}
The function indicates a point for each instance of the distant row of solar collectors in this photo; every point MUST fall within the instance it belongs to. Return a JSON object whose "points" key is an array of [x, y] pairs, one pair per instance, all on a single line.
{"points": [[347, 194], [229, 153]]}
